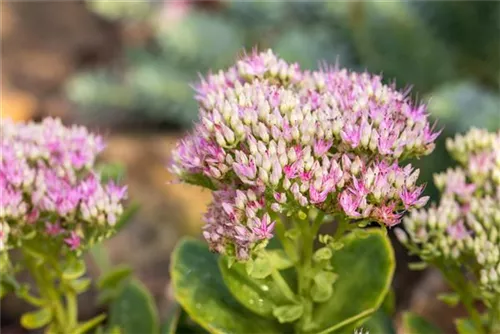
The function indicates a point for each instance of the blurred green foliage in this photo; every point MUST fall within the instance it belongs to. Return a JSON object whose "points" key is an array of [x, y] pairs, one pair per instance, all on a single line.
{"points": [[448, 51]]}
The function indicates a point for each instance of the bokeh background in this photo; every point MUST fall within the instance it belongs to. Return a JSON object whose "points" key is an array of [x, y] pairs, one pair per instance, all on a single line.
{"points": [[125, 69]]}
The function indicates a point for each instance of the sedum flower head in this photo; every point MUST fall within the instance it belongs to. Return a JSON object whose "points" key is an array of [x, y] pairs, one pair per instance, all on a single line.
{"points": [[49, 187], [464, 228], [294, 139]]}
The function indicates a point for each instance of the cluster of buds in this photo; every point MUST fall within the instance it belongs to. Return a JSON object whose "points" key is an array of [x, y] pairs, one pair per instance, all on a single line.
{"points": [[49, 187], [330, 139], [464, 229]]}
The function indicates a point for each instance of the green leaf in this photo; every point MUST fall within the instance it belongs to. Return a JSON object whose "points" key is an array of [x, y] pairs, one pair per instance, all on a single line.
{"points": [[365, 268], [278, 259], [324, 253], [4, 290], [37, 254], [452, 298], [466, 326], [321, 293], [23, 292], [114, 278], [80, 285], [111, 172], [325, 278], [198, 286], [260, 296], [134, 311], [75, 269], [413, 323], [288, 313], [36, 319], [172, 320], [389, 304], [417, 266], [89, 324], [380, 323], [259, 268], [100, 257], [322, 288], [292, 233]]}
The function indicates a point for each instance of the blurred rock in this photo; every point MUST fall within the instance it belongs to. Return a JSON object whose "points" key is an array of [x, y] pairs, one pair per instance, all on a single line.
{"points": [[167, 211], [41, 49], [17, 105]]}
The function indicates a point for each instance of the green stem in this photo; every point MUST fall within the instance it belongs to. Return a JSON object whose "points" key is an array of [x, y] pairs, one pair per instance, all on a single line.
{"points": [[72, 306], [283, 286], [494, 317], [308, 236], [285, 242], [342, 226], [46, 275], [53, 296], [317, 223], [306, 259]]}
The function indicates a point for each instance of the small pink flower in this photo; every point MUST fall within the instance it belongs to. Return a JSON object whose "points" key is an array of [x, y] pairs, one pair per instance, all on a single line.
{"points": [[316, 196], [264, 228], [349, 204], [32, 217], [292, 171], [321, 147], [53, 229], [352, 135], [411, 197], [386, 215], [116, 192], [246, 172], [73, 241], [457, 231], [358, 188]]}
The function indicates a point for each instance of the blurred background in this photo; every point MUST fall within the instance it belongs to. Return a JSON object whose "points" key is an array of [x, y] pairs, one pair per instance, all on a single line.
{"points": [[125, 69]]}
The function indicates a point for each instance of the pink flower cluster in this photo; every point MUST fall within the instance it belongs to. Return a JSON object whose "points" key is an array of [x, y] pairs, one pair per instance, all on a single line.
{"points": [[329, 139], [464, 228], [48, 185]]}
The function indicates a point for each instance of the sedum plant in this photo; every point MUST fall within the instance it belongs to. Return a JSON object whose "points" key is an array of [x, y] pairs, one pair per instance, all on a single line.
{"points": [[460, 234], [285, 151], [53, 207]]}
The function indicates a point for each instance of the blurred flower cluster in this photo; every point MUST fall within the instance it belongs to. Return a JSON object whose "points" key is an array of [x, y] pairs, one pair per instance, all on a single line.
{"points": [[50, 190], [464, 228], [275, 139]]}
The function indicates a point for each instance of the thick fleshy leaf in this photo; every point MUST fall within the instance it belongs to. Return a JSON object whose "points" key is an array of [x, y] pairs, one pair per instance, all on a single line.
{"points": [[172, 320], [278, 258], [36, 319], [198, 286], [288, 313], [466, 326], [179, 322], [365, 267], [80, 285], [75, 269], [413, 323], [380, 322], [452, 298], [260, 296], [89, 324], [114, 277], [389, 304], [134, 311]]}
